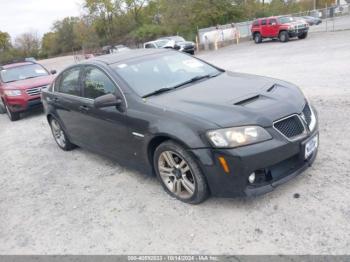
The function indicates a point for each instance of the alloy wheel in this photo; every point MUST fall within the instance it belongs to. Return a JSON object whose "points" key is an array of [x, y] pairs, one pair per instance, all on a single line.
{"points": [[58, 133], [176, 174]]}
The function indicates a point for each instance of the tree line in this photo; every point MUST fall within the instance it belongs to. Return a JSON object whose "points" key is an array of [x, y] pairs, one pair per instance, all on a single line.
{"points": [[132, 22]]}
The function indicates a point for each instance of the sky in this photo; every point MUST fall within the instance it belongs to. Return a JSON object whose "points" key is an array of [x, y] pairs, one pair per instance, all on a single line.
{"points": [[20, 16]]}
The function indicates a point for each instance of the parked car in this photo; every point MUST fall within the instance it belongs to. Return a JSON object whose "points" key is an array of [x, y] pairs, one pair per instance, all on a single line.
{"points": [[281, 27], [312, 20], [112, 49], [20, 87], [174, 42], [202, 130]]}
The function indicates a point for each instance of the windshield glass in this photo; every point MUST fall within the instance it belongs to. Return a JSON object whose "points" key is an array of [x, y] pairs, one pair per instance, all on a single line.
{"points": [[22, 72], [161, 43], [285, 19], [162, 71]]}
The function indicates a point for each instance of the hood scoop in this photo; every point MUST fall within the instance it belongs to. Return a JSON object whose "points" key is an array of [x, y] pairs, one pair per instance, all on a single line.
{"points": [[246, 101], [256, 102]]}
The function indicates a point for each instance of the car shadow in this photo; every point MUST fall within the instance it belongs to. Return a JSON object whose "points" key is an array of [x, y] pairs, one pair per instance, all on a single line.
{"points": [[32, 113]]}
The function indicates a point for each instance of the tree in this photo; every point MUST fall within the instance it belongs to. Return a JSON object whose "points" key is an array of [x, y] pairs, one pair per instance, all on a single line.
{"points": [[28, 44], [5, 41], [49, 44], [65, 34]]}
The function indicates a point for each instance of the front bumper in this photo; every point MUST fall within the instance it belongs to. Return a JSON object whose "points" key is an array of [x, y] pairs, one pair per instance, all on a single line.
{"points": [[23, 103], [297, 32], [276, 161]]}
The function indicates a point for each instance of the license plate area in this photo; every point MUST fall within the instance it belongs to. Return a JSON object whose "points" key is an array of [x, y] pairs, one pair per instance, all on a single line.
{"points": [[310, 146]]}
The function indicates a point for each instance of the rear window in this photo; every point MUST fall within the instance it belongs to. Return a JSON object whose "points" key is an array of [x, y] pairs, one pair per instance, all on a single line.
{"points": [[256, 23]]}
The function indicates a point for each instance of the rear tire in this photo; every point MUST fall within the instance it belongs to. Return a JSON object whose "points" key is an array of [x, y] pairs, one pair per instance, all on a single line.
{"points": [[257, 38], [179, 173], [13, 116], [283, 36], [302, 36], [60, 136]]}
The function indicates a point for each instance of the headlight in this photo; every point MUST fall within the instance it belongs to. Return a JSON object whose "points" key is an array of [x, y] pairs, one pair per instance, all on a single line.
{"points": [[237, 136], [13, 92], [291, 27]]}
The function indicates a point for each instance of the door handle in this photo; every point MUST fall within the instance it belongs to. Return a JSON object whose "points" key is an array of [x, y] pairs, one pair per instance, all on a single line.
{"points": [[84, 109], [55, 99]]}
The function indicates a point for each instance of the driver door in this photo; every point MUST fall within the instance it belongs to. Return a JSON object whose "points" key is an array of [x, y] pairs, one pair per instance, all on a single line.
{"points": [[272, 28], [103, 129]]}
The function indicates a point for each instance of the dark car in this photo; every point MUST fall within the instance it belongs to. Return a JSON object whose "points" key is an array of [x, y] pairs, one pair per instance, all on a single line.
{"points": [[20, 86], [202, 130], [312, 20], [174, 42]]}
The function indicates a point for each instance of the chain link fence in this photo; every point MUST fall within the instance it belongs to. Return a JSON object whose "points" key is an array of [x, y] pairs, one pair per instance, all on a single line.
{"points": [[333, 18]]}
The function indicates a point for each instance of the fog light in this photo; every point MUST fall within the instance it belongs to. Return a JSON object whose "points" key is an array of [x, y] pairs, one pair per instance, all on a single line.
{"points": [[251, 178]]}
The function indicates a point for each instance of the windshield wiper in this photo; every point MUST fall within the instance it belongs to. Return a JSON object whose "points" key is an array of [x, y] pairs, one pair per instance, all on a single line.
{"points": [[159, 91], [195, 79], [29, 77], [192, 80]]}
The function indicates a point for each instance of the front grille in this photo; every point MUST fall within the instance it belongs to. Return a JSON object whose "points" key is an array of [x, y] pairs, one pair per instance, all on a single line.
{"points": [[307, 114], [34, 91], [290, 127]]}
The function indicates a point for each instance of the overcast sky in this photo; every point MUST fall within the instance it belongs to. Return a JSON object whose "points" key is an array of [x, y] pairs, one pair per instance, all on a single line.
{"points": [[20, 16]]}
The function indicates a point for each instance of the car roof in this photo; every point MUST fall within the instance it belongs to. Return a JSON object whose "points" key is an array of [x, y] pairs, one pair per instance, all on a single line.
{"points": [[127, 55], [12, 65]]}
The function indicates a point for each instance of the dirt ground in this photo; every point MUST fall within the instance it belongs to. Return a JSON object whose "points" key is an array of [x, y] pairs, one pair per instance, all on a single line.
{"points": [[54, 202]]}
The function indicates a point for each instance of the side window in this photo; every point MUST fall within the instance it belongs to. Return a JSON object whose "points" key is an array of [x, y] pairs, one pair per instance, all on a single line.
{"points": [[69, 82], [96, 83], [272, 21], [149, 46], [263, 22]]}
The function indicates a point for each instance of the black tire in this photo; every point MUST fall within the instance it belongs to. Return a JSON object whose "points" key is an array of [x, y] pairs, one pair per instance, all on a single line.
{"points": [[302, 36], [283, 36], [257, 38], [66, 145], [2, 107], [201, 191], [13, 116]]}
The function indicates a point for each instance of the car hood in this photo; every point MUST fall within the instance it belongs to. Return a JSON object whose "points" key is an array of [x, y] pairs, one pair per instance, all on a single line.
{"points": [[233, 99], [30, 83]]}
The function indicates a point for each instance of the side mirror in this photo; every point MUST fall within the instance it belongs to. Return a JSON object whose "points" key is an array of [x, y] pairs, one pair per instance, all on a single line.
{"points": [[273, 24], [53, 72], [107, 100]]}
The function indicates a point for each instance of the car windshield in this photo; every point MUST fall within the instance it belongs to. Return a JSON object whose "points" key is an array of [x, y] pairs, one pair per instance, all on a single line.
{"points": [[285, 19], [22, 72], [161, 43], [162, 71]]}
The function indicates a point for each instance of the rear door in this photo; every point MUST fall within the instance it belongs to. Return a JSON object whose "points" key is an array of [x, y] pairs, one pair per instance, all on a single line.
{"points": [[264, 28], [67, 102]]}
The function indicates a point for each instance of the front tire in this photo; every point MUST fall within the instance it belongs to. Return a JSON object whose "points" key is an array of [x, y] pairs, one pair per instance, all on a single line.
{"points": [[179, 173], [302, 36], [13, 116], [60, 136], [283, 36]]}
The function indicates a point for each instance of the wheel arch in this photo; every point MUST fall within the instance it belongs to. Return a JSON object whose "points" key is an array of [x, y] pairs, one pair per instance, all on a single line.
{"points": [[159, 139]]}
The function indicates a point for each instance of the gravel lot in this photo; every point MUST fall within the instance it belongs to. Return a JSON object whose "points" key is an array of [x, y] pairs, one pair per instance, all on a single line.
{"points": [[54, 202]]}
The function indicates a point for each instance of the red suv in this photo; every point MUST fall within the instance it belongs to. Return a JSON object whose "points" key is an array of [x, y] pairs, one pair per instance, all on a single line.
{"points": [[281, 27], [20, 87]]}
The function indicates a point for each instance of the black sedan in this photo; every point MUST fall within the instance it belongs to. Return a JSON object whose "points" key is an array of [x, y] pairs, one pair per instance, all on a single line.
{"points": [[202, 130]]}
